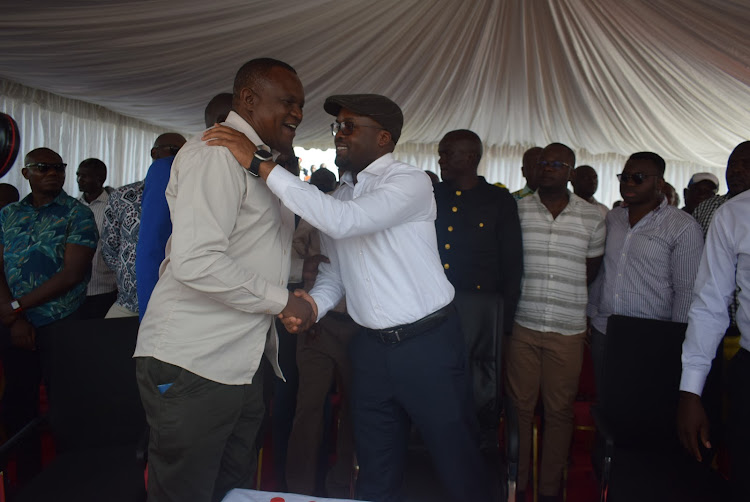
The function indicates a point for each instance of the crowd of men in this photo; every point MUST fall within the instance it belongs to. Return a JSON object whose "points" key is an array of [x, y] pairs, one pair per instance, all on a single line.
{"points": [[387, 285]]}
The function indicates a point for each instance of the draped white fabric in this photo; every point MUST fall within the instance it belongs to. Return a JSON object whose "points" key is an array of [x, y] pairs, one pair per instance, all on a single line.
{"points": [[77, 131], [607, 78]]}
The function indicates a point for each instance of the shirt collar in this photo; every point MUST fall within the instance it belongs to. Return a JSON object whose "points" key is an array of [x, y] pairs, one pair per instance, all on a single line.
{"points": [[59, 200], [236, 122], [103, 197], [376, 168]]}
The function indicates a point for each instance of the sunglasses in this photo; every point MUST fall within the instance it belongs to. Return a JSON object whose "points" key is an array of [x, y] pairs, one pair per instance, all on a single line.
{"points": [[637, 178], [43, 167], [347, 127], [555, 164]]}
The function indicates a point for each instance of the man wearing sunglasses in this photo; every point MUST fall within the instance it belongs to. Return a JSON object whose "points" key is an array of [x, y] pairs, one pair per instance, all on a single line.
{"points": [[408, 360], [651, 257], [47, 241]]}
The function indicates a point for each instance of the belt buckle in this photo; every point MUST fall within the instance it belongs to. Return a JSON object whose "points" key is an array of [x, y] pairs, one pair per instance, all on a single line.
{"points": [[390, 332]]}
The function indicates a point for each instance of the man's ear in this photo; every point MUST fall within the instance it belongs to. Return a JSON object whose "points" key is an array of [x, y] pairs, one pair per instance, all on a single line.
{"points": [[660, 184], [25, 172], [384, 137], [247, 97]]}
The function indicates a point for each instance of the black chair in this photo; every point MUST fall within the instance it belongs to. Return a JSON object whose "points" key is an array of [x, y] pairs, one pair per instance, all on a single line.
{"points": [[95, 416], [637, 453]]}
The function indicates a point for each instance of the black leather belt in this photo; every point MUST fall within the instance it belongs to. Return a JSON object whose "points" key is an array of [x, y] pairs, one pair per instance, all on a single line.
{"points": [[403, 332]]}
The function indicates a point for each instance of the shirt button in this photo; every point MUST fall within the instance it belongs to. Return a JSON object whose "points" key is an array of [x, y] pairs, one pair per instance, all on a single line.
{"points": [[458, 192], [447, 246], [450, 229], [446, 266], [454, 209]]}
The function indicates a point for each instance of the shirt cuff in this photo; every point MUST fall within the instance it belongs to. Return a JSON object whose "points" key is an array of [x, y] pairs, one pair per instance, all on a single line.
{"points": [[276, 299], [692, 380], [323, 306], [279, 179]]}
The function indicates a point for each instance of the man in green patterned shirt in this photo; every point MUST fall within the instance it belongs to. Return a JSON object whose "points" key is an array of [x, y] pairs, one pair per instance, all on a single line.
{"points": [[47, 241]]}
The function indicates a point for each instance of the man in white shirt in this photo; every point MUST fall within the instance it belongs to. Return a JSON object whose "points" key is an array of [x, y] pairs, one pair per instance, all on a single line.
{"points": [[101, 292], [725, 266], [211, 315], [408, 361]]}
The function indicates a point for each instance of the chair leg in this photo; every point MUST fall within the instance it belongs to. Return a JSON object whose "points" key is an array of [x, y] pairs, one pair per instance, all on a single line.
{"points": [[535, 460], [259, 471]]}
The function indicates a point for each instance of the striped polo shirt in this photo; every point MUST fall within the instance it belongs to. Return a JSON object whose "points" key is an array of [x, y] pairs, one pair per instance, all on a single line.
{"points": [[553, 291]]}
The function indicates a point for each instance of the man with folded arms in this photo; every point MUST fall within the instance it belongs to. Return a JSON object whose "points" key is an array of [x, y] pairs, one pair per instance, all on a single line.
{"points": [[408, 361], [211, 315]]}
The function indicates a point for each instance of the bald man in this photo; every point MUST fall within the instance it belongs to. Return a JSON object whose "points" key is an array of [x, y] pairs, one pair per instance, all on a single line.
{"points": [[585, 182], [528, 169], [8, 194], [156, 226]]}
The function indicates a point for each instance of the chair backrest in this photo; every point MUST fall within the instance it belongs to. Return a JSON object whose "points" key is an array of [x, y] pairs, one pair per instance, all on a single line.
{"points": [[94, 400], [641, 379]]}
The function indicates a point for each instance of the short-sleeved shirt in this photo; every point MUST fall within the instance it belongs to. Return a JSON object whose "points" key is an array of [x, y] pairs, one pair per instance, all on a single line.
{"points": [[553, 290], [122, 220], [34, 240]]}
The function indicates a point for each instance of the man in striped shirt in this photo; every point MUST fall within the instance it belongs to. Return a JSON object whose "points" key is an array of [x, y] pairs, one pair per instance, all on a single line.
{"points": [[651, 258], [563, 242]]}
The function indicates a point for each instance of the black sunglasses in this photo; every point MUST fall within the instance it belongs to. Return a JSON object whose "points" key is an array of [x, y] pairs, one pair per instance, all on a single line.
{"points": [[637, 178], [555, 164], [43, 167], [347, 127]]}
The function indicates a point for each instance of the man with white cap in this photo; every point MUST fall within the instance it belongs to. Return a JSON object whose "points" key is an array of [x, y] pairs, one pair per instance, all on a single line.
{"points": [[702, 186]]}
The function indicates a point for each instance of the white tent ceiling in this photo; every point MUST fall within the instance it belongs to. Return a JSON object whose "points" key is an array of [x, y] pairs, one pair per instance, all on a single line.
{"points": [[601, 76]]}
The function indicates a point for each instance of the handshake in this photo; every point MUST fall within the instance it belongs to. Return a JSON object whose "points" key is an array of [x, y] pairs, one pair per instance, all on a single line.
{"points": [[300, 312]]}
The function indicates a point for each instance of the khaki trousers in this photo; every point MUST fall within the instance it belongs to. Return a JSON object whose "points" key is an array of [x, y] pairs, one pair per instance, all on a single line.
{"points": [[549, 362]]}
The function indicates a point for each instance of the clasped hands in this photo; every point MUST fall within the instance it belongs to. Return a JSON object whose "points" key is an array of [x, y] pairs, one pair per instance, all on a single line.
{"points": [[300, 312]]}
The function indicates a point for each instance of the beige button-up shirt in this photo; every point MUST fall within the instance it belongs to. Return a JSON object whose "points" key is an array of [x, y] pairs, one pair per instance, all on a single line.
{"points": [[226, 268]]}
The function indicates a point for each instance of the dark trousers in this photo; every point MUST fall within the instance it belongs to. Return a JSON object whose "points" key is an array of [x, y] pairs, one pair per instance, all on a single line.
{"points": [[202, 439], [24, 371], [423, 380], [284, 403], [739, 425], [97, 306], [322, 358]]}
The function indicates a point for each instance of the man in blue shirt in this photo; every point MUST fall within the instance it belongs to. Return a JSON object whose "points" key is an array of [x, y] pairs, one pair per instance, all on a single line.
{"points": [[156, 226], [47, 241]]}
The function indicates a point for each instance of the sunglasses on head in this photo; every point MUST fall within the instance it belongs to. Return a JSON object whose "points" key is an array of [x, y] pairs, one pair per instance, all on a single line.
{"points": [[637, 178], [347, 127], [43, 167]]}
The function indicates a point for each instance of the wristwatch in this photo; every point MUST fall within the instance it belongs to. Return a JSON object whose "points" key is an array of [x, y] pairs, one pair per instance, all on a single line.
{"points": [[258, 157], [16, 306]]}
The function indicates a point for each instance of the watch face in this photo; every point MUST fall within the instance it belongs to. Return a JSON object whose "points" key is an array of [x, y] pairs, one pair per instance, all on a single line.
{"points": [[263, 155]]}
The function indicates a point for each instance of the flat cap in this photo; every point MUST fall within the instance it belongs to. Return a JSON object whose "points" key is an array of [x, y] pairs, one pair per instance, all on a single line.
{"points": [[379, 108]]}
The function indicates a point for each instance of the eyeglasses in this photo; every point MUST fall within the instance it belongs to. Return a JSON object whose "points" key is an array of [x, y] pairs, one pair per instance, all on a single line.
{"points": [[347, 127], [43, 167], [555, 164], [637, 178]]}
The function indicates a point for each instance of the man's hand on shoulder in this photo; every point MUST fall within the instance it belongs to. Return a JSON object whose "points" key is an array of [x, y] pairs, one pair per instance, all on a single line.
{"points": [[300, 312], [240, 145], [692, 424]]}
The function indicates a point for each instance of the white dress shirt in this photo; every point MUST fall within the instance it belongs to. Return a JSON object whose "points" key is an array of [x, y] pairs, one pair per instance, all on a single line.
{"points": [[103, 279], [380, 237], [226, 267], [725, 264]]}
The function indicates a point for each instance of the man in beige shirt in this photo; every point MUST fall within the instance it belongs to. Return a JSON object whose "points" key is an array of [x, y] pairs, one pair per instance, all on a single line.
{"points": [[210, 318]]}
